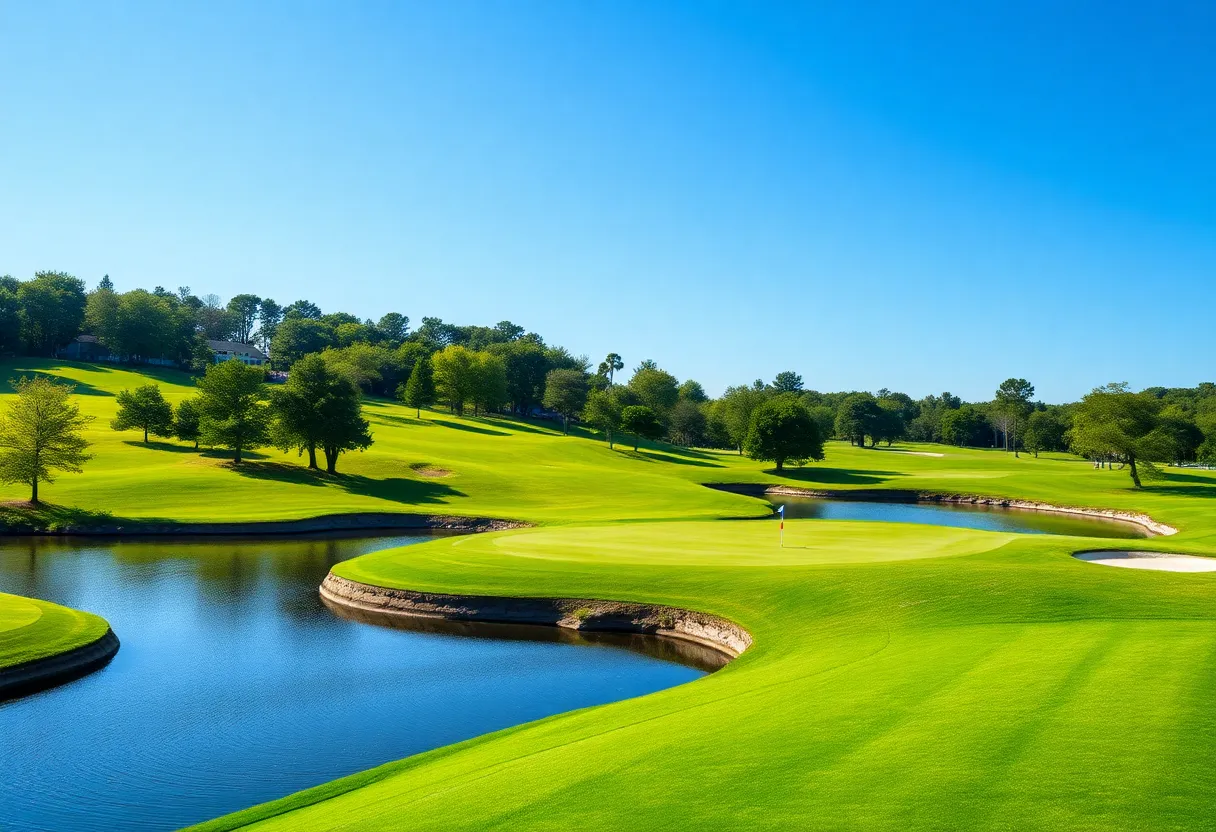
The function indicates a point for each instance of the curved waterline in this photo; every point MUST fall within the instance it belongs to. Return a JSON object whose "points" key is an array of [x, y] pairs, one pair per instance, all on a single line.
{"points": [[580, 614]]}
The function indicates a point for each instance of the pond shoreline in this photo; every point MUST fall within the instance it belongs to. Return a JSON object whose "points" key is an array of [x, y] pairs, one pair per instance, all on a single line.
{"points": [[892, 495], [355, 521], [48, 672], [588, 615]]}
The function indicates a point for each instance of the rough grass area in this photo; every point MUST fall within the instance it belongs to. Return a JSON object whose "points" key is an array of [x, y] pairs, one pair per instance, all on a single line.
{"points": [[32, 629]]}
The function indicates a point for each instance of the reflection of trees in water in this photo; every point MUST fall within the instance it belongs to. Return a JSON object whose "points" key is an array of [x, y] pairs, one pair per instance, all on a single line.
{"points": [[232, 576]]}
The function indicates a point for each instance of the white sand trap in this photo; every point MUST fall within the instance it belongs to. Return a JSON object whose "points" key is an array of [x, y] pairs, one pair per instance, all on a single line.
{"points": [[1150, 560]]}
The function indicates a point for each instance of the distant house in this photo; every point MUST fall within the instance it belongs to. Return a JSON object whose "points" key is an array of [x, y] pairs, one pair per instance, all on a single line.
{"points": [[87, 348], [233, 351]]}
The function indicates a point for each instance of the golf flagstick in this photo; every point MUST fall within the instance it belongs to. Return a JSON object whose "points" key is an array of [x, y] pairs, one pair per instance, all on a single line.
{"points": [[781, 528]]}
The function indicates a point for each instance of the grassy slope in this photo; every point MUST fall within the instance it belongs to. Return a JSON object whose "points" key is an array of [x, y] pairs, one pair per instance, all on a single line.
{"points": [[902, 676], [32, 629]]}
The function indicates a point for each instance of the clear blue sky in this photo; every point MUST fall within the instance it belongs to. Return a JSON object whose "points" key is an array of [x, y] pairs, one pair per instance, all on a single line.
{"points": [[921, 196]]}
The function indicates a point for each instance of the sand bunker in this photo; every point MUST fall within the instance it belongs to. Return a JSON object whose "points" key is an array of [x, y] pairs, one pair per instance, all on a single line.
{"points": [[1150, 560]]}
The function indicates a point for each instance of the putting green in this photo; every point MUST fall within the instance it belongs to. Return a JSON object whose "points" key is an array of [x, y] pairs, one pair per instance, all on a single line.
{"points": [[32, 629]]}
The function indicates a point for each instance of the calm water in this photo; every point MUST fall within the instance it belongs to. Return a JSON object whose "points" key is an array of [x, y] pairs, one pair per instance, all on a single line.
{"points": [[986, 518], [235, 685]]}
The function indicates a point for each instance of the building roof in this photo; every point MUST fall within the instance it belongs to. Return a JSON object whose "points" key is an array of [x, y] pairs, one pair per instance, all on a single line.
{"points": [[236, 347]]}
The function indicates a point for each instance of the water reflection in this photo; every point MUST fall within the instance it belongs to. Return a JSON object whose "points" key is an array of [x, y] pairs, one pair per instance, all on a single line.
{"points": [[236, 685], [961, 515]]}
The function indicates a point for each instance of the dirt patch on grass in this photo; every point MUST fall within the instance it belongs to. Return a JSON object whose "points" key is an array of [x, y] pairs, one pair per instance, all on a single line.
{"points": [[426, 469]]}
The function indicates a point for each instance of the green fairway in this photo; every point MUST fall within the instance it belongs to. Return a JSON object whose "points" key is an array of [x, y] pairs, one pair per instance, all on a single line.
{"points": [[990, 681], [32, 629], [901, 676]]}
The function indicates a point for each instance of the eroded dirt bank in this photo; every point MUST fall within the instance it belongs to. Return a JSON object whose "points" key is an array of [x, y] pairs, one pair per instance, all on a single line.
{"points": [[573, 613], [40, 674]]}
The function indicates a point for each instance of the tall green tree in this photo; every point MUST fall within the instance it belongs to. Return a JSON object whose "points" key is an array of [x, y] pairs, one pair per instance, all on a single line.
{"points": [[642, 422], [393, 327], [1013, 406], [10, 322], [860, 416], [963, 426], [736, 408], [566, 393], [245, 310], [296, 337], [657, 389], [611, 363], [787, 381], [232, 407], [688, 423], [489, 382], [269, 316], [782, 431], [144, 408], [419, 391], [186, 418], [604, 412], [40, 434], [1114, 422], [318, 408], [1044, 431], [455, 376], [52, 310]]}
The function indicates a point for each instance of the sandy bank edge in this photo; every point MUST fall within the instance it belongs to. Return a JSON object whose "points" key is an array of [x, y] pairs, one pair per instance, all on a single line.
{"points": [[573, 613], [40, 674], [883, 495], [356, 521]]}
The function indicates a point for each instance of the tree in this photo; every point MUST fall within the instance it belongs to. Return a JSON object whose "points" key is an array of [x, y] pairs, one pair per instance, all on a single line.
{"points": [[244, 310], [455, 376], [105, 283], [658, 389], [565, 392], [642, 422], [737, 405], [215, 320], [526, 366], [692, 391], [612, 362], [318, 408], [1013, 405], [201, 356], [1113, 422], [860, 416], [52, 310], [782, 431], [10, 322], [186, 421], [963, 426], [296, 337], [1044, 431], [40, 434], [393, 327], [270, 314], [232, 408], [489, 382], [144, 409], [419, 391], [302, 309], [688, 423], [787, 382], [602, 411]]}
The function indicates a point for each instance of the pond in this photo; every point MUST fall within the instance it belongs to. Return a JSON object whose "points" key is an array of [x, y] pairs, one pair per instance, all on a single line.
{"points": [[964, 515], [236, 685]]}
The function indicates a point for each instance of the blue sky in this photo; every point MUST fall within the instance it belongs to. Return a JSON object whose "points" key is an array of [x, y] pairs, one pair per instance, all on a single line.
{"points": [[874, 194]]}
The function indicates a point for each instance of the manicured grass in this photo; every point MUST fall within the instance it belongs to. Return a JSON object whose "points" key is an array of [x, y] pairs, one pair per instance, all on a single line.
{"points": [[32, 629], [906, 677], [902, 677]]}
